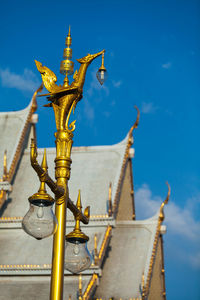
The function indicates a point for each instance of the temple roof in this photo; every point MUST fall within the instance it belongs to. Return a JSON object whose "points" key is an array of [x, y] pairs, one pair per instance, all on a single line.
{"points": [[131, 249], [132, 243], [12, 125], [93, 169]]}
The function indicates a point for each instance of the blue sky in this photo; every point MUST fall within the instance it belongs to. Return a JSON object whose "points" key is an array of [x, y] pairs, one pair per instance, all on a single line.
{"points": [[152, 58]]}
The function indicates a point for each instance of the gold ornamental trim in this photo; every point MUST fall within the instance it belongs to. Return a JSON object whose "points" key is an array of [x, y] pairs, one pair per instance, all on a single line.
{"points": [[10, 219], [152, 260], [146, 287], [104, 244], [25, 267], [137, 298], [125, 159], [90, 287], [19, 219], [3, 196], [23, 134]]}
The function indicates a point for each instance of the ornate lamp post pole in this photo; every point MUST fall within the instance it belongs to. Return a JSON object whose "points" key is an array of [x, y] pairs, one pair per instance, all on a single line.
{"points": [[63, 99]]}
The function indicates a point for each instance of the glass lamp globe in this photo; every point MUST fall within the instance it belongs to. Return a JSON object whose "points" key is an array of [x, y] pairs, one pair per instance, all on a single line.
{"points": [[40, 221], [77, 256], [102, 75]]}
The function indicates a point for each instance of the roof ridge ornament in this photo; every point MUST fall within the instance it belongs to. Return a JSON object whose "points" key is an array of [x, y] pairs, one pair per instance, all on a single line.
{"points": [[155, 243], [34, 101], [96, 256], [80, 294], [135, 125], [110, 200], [5, 169], [143, 287], [161, 214]]}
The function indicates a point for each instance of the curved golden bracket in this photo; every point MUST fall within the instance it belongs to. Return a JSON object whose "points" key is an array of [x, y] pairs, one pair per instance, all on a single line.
{"points": [[135, 125], [57, 190], [72, 124], [42, 174], [161, 215]]}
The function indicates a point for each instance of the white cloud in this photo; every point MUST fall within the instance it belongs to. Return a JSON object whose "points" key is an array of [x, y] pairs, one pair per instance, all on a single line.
{"points": [[148, 108], [112, 103], [180, 220], [106, 114], [88, 110], [183, 229], [117, 84], [167, 65], [23, 82], [195, 260]]}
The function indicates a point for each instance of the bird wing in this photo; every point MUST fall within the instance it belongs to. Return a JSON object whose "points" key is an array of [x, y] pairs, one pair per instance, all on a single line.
{"points": [[48, 77]]}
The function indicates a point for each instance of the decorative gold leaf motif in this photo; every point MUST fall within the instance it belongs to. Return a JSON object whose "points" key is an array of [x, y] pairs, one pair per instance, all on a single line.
{"points": [[48, 77]]}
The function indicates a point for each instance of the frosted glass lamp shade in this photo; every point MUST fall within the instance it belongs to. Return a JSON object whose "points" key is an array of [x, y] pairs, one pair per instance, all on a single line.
{"points": [[40, 221], [77, 256], [102, 75]]}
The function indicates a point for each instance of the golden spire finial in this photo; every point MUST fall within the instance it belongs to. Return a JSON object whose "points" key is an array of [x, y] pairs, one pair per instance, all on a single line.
{"points": [[44, 161], [95, 250], [110, 200], [80, 286], [161, 215], [78, 203], [67, 65], [69, 33], [5, 171], [77, 233], [95, 242], [44, 166], [143, 287]]}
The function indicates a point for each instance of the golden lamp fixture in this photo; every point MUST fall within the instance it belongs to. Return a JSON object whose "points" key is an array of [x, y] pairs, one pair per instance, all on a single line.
{"points": [[40, 221], [102, 72], [77, 256]]}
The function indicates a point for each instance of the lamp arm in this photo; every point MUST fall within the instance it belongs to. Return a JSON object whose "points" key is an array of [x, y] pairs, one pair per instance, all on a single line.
{"points": [[57, 190], [42, 174], [83, 217]]}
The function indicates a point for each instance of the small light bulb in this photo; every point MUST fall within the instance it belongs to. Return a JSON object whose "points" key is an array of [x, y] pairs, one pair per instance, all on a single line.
{"points": [[76, 249], [102, 75], [40, 212]]}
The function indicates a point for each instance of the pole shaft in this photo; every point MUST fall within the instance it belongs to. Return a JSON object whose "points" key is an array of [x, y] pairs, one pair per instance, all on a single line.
{"points": [[62, 174], [57, 273]]}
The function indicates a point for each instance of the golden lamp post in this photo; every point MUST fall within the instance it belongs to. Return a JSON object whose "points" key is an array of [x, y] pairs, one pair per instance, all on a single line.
{"points": [[40, 220]]}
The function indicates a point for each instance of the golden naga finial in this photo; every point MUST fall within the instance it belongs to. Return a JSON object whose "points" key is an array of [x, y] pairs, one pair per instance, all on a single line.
{"points": [[110, 200], [5, 171], [34, 101], [161, 215], [135, 125]]}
